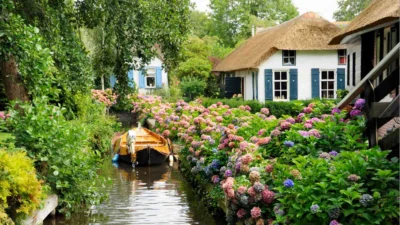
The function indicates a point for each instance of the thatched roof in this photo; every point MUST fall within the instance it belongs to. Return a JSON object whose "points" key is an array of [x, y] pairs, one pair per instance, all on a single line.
{"points": [[306, 32], [342, 24], [378, 12]]}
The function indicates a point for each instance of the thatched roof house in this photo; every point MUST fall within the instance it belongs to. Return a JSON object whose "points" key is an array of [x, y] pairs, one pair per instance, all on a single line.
{"points": [[368, 38], [306, 32], [290, 61], [377, 13]]}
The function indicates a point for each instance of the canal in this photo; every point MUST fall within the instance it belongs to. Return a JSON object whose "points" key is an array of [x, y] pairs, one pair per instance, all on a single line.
{"points": [[144, 195]]}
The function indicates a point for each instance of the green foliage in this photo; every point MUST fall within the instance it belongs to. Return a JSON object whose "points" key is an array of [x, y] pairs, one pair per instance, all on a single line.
{"points": [[192, 87], [325, 182], [277, 109], [61, 152], [20, 190], [133, 28], [199, 23], [341, 93], [170, 94], [348, 9], [232, 20], [100, 127]]}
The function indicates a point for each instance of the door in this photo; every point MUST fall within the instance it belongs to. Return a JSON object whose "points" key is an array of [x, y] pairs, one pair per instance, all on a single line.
{"points": [[233, 85]]}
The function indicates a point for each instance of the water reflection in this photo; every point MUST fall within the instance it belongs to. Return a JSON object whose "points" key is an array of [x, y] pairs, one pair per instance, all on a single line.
{"points": [[144, 195]]}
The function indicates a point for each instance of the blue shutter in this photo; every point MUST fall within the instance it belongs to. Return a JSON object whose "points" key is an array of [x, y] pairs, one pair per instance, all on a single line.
{"points": [[141, 79], [341, 73], [158, 77], [293, 84], [113, 80], [130, 78], [253, 87], [257, 85], [315, 83], [268, 84]]}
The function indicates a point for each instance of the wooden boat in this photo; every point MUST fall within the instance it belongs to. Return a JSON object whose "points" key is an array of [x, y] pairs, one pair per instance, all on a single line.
{"points": [[146, 147]]}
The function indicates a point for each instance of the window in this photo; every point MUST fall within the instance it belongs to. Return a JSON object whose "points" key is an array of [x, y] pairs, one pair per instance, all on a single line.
{"points": [[281, 85], [151, 78], [348, 70], [327, 84], [342, 56], [289, 57]]}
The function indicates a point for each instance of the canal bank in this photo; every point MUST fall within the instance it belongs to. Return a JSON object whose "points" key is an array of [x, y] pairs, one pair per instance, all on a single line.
{"points": [[144, 195]]}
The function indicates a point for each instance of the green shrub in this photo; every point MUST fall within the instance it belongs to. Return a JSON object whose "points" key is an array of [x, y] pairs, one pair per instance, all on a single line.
{"points": [[326, 183], [100, 127], [193, 87], [170, 94], [61, 151], [20, 190]]}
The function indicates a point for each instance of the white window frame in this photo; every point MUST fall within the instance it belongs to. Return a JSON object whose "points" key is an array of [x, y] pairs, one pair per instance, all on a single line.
{"points": [[150, 75], [326, 80], [288, 85]]}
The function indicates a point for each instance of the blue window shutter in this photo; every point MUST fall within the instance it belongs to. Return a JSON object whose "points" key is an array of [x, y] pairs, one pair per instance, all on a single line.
{"points": [[315, 83], [158, 77], [341, 73], [257, 85], [268, 84], [293, 84], [253, 87], [130, 78], [113, 80], [141, 79]]}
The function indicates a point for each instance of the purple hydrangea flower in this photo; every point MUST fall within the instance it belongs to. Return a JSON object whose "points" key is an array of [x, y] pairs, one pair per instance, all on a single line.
{"points": [[314, 208], [335, 110], [355, 112], [288, 183], [228, 173], [359, 103], [334, 222], [288, 143], [333, 153]]}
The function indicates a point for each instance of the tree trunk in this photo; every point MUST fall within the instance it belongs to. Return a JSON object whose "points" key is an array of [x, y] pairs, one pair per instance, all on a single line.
{"points": [[12, 81]]}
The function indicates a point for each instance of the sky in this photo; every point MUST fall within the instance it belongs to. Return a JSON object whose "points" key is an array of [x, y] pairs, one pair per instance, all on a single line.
{"points": [[324, 8]]}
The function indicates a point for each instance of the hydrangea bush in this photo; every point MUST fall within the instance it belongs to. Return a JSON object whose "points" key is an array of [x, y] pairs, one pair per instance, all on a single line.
{"points": [[310, 169]]}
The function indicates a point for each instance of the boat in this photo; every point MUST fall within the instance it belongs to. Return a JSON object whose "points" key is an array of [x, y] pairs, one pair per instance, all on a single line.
{"points": [[141, 146]]}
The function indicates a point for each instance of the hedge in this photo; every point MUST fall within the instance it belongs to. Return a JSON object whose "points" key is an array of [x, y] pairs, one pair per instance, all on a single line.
{"points": [[277, 109]]}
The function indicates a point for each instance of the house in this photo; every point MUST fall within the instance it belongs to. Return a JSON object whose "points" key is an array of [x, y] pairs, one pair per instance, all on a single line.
{"points": [[372, 41], [290, 61], [152, 77], [368, 38]]}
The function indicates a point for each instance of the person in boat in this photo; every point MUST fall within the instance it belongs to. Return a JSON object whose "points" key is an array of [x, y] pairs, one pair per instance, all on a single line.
{"points": [[131, 140]]}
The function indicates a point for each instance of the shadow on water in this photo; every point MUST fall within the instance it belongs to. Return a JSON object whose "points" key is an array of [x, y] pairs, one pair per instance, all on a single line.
{"points": [[145, 195]]}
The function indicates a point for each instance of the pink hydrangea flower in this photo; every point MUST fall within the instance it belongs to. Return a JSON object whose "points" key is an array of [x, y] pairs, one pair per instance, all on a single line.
{"points": [[243, 145], [246, 159], [268, 196], [269, 168], [254, 139], [242, 189], [314, 133], [307, 110], [285, 125], [308, 125], [264, 141], [265, 111], [241, 213], [275, 133], [255, 212], [251, 191]]}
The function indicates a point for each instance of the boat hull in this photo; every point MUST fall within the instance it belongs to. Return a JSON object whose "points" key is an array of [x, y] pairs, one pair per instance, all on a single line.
{"points": [[146, 157]]}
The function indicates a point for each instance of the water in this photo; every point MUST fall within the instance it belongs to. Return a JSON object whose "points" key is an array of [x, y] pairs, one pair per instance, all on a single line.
{"points": [[145, 195]]}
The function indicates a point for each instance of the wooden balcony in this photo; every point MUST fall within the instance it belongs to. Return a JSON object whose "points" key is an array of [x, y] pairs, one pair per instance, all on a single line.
{"points": [[379, 113]]}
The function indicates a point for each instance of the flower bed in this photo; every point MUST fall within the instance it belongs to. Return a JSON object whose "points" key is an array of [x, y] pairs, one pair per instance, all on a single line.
{"points": [[310, 169]]}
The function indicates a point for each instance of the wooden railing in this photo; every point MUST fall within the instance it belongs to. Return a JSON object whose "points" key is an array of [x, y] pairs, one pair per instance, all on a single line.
{"points": [[379, 113]]}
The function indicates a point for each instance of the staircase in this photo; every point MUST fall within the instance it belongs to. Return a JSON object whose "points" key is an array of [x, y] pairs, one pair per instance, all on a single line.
{"points": [[378, 112]]}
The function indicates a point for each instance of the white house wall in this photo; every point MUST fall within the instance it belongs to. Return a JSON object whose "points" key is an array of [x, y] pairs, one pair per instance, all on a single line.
{"points": [[354, 47], [305, 61], [156, 62]]}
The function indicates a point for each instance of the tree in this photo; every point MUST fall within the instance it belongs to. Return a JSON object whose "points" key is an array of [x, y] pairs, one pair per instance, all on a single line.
{"points": [[348, 9], [200, 23], [133, 28], [232, 19]]}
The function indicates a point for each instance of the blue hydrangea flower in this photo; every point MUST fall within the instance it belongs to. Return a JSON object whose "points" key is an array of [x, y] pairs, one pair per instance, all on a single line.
{"points": [[207, 170], [288, 144], [288, 183], [333, 153], [314, 208], [215, 164], [215, 150]]}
